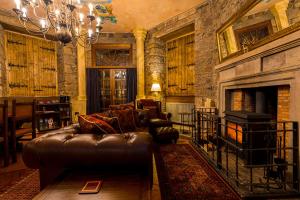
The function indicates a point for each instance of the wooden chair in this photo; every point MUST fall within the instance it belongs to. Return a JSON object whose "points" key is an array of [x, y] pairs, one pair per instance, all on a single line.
{"points": [[4, 131], [22, 112]]}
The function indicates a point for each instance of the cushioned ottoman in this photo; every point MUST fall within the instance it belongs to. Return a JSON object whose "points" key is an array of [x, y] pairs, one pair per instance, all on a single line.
{"points": [[166, 135]]}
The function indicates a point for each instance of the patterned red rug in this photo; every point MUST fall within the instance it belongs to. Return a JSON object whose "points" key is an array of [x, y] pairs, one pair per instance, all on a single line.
{"points": [[184, 174], [24, 185]]}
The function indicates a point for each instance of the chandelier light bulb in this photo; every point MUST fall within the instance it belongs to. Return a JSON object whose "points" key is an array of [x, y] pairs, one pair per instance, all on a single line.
{"points": [[56, 12], [18, 4], [91, 8], [81, 16], [24, 12], [78, 1], [98, 21], [90, 33], [77, 31], [33, 2], [43, 23]]}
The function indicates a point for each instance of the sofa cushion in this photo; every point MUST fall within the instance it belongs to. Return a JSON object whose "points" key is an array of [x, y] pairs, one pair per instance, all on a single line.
{"points": [[89, 124], [112, 121], [126, 119]]}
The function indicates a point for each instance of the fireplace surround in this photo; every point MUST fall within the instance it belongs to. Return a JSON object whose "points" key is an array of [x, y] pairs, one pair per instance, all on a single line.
{"points": [[275, 65]]}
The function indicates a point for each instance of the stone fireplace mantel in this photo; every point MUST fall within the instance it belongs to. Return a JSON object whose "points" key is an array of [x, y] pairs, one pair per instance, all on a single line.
{"points": [[274, 64]]}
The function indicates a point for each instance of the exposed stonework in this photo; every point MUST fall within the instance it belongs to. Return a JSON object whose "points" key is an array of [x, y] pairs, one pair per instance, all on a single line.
{"points": [[237, 100], [67, 70], [155, 63], [210, 18], [204, 17], [283, 108]]}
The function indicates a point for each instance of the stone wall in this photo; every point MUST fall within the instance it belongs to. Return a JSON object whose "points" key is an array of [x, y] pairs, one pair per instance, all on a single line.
{"points": [[207, 18], [67, 70]]}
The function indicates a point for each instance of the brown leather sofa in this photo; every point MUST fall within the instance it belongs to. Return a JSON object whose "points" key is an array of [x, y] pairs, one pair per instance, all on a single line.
{"points": [[66, 148]]}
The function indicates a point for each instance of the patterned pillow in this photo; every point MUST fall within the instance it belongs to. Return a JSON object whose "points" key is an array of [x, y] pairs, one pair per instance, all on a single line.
{"points": [[89, 124], [113, 121], [126, 119]]}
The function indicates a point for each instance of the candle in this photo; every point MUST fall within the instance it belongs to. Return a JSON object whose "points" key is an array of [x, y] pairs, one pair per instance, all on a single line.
{"points": [[18, 4], [91, 8]]}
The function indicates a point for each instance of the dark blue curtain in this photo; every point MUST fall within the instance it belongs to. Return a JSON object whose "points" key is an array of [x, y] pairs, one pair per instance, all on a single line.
{"points": [[131, 85], [93, 90]]}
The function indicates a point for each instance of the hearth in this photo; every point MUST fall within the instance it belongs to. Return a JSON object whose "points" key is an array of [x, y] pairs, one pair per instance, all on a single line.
{"points": [[252, 133]]}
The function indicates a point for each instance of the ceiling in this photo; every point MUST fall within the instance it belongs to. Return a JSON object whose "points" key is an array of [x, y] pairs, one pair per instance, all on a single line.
{"points": [[137, 13]]}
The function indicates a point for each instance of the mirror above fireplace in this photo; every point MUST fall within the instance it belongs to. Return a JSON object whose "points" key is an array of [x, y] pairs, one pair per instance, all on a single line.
{"points": [[257, 23]]}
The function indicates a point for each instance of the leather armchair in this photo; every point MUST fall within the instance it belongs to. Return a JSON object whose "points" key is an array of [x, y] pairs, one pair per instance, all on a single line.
{"points": [[154, 117], [153, 109]]}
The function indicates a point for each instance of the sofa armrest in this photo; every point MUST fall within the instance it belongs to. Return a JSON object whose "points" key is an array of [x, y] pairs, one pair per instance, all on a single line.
{"points": [[166, 115]]}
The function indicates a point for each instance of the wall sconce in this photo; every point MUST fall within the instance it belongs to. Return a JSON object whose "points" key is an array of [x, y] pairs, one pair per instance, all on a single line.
{"points": [[155, 89]]}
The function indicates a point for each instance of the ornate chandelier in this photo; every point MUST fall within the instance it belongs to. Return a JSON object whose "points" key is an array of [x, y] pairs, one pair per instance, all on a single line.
{"points": [[65, 18]]}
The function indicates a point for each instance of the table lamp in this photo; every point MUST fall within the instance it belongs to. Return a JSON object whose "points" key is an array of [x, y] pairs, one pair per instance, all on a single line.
{"points": [[155, 89]]}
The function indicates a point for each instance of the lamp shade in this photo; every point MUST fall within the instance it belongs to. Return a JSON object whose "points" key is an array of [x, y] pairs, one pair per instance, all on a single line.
{"points": [[155, 87]]}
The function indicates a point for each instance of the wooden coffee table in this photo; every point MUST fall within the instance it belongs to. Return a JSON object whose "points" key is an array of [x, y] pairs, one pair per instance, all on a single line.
{"points": [[116, 186]]}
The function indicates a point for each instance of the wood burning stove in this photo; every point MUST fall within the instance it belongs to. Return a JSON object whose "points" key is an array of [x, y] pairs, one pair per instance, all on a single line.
{"points": [[252, 133]]}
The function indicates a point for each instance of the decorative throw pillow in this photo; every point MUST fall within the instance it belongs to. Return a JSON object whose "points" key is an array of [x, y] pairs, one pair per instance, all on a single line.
{"points": [[126, 119], [89, 124], [127, 106], [152, 111], [113, 121], [122, 106]]}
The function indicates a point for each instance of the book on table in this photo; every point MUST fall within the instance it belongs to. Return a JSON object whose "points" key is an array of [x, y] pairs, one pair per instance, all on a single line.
{"points": [[91, 187]]}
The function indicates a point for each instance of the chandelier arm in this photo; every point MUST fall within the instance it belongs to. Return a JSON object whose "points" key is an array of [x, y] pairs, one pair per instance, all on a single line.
{"points": [[32, 30], [35, 14], [50, 20]]}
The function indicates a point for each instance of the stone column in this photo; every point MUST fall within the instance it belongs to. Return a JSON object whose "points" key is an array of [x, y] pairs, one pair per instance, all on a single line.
{"points": [[279, 10], [79, 103], [140, 35]]}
